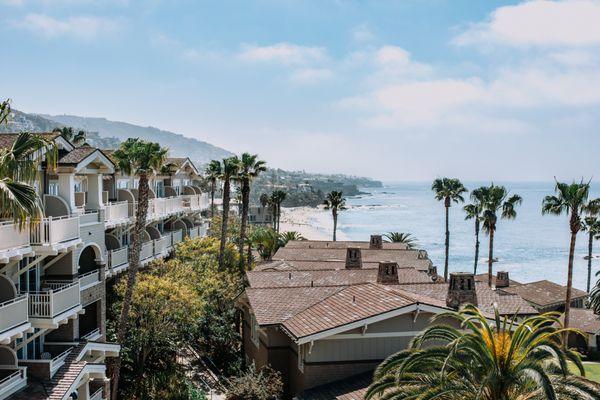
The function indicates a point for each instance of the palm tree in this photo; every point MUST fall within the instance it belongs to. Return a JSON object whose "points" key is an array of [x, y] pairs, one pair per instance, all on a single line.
{"points": [[504, 360], [266, 241], [141, 158], [496, 199], [277, 197], [290, 236], [229, 172], [570, 199], [19, 171], [213, 172], [335, 202], [591, 224], [400, 237], [449, 190], [264, 201], [69, 134], [473, 211], [4, 111]]}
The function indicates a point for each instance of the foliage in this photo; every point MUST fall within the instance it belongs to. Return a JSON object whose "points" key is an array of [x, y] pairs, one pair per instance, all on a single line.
{"points": [[335, 202], [266, 241], [137, 156], [67, 133], [233, 227], [4, 111], [250, 167], [213, 172], [265, 384], [449, 190], [401, 237], [290, 236], [504, 360], [277, 197], [474, 211]]}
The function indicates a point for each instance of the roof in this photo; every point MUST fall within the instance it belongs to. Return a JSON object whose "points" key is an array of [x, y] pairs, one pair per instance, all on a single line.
{"points": [[484, 278], [352, 388], [544, 293], [179, 162], [585, 320], [294, 265], [7, 139], [76, 155], [327, 244]]}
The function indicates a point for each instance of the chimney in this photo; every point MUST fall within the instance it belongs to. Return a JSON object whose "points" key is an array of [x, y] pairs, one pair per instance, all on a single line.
{"points": [[432, 270], [353, 258], [461, 290], [376, 242], [388, 273], [502, 279], [422, 255]]}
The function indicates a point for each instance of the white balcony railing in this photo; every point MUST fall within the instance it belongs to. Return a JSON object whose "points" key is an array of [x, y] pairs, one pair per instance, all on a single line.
{"points": [[55, 301], [89, 279], [117, 257], [97, 395], [162, 245], [13, 313], [147, 251], [93, 335], [194, 232], [55, 230], [12, 381], [11, 237], [177, 236], [116, 211]]}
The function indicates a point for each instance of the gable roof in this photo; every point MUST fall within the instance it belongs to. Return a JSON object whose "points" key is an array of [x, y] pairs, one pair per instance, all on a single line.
{"points": [[327, 244], [181, 162], [543, 293], [585, 320], [7, 139]]}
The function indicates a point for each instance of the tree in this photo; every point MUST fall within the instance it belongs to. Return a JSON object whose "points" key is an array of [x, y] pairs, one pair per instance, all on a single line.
{"points": [[213, 173], [277, 197], [495, 199], [591, 224], [473, 211], [290, 236], [250, 168], [265, 384], [18, 171], [504, 360], [266, 241], [4, 111], [400, 237], [449, 190], [335, 202], [230, 171], [143, 159], [67, 132], [570, 199]]}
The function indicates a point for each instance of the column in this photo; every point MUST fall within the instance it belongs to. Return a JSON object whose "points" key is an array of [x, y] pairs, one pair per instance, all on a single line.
{"points": [[94, 194], [66, 189]]}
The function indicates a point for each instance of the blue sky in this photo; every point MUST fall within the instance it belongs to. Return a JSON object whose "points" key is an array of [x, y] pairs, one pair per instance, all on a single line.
{"points": [[398, 90]]}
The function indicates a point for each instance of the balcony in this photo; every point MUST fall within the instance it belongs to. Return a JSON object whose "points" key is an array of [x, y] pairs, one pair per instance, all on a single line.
{"points": [[118, 260], [176, 237], [194, 232], [12, 379], [14, 319], [162, 246], [98, 394], [51, 308], [14, 242], [147, 252], [116, 214], [89, 279], [49, 363], [92, 335], [55, 235]]}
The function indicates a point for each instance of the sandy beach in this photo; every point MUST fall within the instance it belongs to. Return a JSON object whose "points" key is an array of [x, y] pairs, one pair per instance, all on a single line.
{"points": [[312, 223]]}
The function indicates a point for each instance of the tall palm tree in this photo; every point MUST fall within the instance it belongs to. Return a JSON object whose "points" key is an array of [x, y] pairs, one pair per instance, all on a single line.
{"points": [[400, 237], [250, 168], [473, 211], [335, 202], [264, 201], [67, 132], [570, 199], [496, 199], [19, 171], [4, 111], [504, 360], [449, 190], [290, 236], [213, 173], [277, 197], [135, 157], [231, 167], [591, 224]]}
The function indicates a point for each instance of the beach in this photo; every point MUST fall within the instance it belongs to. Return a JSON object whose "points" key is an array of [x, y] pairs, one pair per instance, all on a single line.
{"points": [[314, 223]]}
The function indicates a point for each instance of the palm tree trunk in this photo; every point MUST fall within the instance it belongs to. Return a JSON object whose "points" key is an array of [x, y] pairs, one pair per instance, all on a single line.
{"points": [[213, 187], [134, 265], [491, 257], [569, 283], [334, 224], [225, 218], [476, 245], [249, 255], [590, 248], [244, 222], [447, 243], [278, 216]]}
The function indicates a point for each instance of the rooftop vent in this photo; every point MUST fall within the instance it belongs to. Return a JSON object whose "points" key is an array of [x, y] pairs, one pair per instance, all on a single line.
{"points": [[376, 242], [461, 290], [353, 257], [388, 273], [502, 279]]}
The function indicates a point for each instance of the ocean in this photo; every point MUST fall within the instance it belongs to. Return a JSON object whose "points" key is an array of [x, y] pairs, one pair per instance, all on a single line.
{"points": [[531, 247]]}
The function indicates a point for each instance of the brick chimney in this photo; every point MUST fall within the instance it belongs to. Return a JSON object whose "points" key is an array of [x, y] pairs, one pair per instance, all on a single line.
{"points": [[376, 242], [432, 270], [422, 255], [388, 273], [461, 290], [353, 258], [502, 279]]}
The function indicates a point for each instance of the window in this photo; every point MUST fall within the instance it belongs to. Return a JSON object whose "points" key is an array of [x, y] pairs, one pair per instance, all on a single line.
{"points": [[255, 336], [53, 188]]}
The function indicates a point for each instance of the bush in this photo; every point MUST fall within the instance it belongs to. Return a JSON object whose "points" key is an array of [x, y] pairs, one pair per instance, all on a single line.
{"points": [[265, 384]]}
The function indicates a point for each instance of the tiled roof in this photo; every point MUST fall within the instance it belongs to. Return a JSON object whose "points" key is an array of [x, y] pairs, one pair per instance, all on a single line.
{"points": [[351, 304], [76, 155], [294, 265], [266, 279], [177, 161], [484, 278], [585, 320], [7, 139], [327, 244], [543, 293], [353, 388]]}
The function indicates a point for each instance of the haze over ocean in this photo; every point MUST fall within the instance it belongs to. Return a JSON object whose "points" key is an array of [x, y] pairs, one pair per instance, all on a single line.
{"points": [[532, 247]]}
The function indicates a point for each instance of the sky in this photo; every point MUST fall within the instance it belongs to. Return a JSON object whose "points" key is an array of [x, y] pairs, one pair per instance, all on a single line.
{"points": [[403, 90]]}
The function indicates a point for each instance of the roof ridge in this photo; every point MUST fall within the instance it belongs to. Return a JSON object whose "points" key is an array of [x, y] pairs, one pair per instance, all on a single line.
{"points": [[341, 288]]}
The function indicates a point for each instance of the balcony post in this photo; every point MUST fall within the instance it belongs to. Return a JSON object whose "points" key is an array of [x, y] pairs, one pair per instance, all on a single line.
{"points": [[66, 189], [94, 201]]}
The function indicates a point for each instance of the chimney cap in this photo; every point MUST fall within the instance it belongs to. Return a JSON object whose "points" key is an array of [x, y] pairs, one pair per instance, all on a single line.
{"points": [[376, 242], [461, 289], [387, 273], [353, 257]]}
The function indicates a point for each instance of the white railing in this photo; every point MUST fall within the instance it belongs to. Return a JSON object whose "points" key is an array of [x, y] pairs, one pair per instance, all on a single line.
{"points": [[89, 279], [192, 201], [147, 251], [194, 232], [158, 206], [13, 313], [204, 201], [177, 236], [161, 245], [11, 380], [88, 217], [11, 237], [55, 230], [117, 257], [92, 335], [55, 301], [116, 211], [97, 395]]}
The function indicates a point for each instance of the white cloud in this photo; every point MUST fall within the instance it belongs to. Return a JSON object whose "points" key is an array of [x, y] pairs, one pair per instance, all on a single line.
{"points": [[311, 75], [363, 34], [283, 53], [539, 23], [80, 27]]}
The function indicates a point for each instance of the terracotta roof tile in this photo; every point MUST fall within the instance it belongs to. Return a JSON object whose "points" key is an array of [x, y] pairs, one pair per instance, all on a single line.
{"points": [[543, 293], [7, 139], [353, 388], [584, 320], [76, 155], [327, 244]]}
